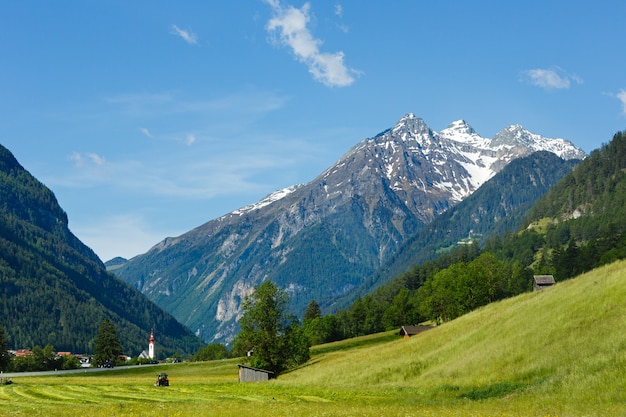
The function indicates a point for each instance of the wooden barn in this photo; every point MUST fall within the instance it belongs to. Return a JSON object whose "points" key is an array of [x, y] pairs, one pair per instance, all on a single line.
{"points": [[248, 374], [542, 281], [408, 331]]}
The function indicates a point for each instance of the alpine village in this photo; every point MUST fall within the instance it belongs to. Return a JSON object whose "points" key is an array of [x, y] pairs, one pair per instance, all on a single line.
{"points": [[424, 273]]}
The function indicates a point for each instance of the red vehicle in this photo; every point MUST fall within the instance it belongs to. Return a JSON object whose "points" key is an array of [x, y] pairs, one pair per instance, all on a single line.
{"points": [[162, 380]]}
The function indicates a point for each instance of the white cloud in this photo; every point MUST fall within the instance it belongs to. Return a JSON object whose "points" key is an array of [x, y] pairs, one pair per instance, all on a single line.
{"points": [[553, 78], [621, 96], [290, 25], [186, 35], [339, 10], [339, 14], [146, 132], [190, 139], [83, 160], [96, 159], [77, 159]]}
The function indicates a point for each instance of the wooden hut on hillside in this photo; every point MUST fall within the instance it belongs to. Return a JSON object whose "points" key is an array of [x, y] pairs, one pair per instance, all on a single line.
{"points": [[249, 374], [408, 331], [542, 281]]}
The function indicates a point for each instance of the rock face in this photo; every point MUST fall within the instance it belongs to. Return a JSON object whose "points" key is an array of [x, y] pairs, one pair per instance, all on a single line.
{"points": [[322, 239]]}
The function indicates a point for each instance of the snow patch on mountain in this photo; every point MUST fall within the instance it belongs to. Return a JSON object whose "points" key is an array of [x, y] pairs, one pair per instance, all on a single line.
{"points": [[273, 197]]}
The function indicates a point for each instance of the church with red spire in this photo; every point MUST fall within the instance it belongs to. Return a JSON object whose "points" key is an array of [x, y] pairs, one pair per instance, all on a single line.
{"points": [[150, 353], [151, 345]]}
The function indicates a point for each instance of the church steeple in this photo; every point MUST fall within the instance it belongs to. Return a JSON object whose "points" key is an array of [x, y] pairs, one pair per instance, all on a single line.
{"points": [[151, 345]]}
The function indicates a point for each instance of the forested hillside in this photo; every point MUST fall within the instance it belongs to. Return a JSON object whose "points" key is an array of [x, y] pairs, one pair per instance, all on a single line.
{"points": [[500, 205], [580, 223], [54, 290], [576, 226]]}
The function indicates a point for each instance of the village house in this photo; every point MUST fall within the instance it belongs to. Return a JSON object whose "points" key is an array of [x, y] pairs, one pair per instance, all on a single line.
{"points": [[20, 353]]}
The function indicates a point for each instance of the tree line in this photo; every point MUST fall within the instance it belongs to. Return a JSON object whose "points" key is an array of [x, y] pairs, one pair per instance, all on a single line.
{"points": [[108, 349]]}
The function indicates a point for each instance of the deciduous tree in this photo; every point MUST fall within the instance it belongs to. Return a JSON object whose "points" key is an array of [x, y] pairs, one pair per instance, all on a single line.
{"points": [[211, 352], [275, 338]]}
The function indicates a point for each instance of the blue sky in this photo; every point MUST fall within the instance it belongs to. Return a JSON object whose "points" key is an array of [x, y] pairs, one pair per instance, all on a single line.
{"points": [[149, 118]]}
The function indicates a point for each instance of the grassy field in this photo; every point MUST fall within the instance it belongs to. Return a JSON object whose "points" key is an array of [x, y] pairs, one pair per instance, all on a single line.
{"points": [[560, 352]]}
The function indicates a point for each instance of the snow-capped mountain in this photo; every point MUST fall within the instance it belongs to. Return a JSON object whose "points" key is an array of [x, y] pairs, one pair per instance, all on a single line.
{"points": [[322, 239]]}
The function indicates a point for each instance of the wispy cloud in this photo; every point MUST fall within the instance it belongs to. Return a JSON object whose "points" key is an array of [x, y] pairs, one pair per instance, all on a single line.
{"points": [[247, 103], [81, 160], [185, 35], [211, 168], [551, 78], [290, 25], [119, 235], [96, 159], [339, 10], [146, 132], [339, 14], [190, 139], [621, 96]]}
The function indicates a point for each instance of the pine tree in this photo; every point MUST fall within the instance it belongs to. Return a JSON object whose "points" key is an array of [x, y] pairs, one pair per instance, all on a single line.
{"points": [[5, 358], [313, 311], [108, 347]]}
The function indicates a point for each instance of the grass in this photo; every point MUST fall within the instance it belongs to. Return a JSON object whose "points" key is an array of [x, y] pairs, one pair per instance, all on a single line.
{"points": [[557, 353]]}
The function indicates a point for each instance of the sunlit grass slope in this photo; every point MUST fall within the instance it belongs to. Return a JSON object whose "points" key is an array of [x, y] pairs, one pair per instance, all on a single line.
{"points": [[560, 352]]}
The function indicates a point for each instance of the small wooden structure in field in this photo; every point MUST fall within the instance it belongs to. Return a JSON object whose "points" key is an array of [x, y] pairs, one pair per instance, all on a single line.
{"points": [[249, 374], [542, 281], [408, 331]]}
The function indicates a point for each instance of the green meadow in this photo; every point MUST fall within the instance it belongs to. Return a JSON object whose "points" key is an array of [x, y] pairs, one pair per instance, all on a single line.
{"points": [[560, 352]]}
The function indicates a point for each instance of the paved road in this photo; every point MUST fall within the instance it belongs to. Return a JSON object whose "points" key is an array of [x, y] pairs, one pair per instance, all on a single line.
{"points": [[71, 371]]}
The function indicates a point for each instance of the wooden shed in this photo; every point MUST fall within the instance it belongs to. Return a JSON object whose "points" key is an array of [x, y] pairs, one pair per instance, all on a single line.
{"points": [[408, 331], [542, 281], [249, 374]]}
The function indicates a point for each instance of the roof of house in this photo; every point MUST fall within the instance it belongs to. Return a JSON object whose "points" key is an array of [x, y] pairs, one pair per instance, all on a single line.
{"points": [[412, 330], [255, 369], [544, 279]]}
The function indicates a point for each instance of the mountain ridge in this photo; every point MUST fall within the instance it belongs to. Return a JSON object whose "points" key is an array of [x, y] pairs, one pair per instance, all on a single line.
{"points": [[351, 218]]}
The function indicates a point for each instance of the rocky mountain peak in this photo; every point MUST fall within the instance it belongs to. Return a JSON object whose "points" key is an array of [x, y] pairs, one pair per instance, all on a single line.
{"points": [[458, 127], [412, 125], [516, 136], [513, 135]]}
